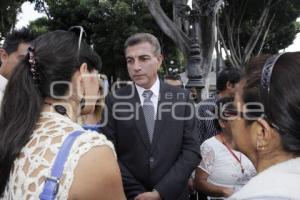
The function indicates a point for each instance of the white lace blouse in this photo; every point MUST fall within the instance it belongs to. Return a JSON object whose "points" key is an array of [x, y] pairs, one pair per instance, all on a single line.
{"points": [[222, 168], [37, 157]]}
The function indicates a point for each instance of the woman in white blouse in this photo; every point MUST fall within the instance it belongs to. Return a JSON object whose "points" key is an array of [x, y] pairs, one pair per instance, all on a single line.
{"points": [[222, 170]]}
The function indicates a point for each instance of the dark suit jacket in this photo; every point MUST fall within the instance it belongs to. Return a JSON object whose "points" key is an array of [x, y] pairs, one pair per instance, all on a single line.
{"points": [[166, 163]]}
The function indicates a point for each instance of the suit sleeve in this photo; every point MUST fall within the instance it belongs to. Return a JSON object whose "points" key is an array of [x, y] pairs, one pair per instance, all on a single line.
{"points": [[201, 123], [175, 181], [132, 187]]}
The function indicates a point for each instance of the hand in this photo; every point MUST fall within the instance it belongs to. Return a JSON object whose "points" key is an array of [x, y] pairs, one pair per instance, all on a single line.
{"points": [[227, 192], [191, 184], [148, 196]]}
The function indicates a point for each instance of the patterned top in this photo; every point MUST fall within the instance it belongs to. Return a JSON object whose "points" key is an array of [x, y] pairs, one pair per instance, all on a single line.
{"points": [[206, 117], [37, 157], [222, 168]]}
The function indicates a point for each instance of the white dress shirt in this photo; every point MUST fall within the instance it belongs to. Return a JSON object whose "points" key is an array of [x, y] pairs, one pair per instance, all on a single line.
{"points": [[3, 83], [155, 89]]}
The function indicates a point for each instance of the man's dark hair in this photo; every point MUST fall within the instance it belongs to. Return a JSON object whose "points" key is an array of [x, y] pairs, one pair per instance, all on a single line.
{"points": [[233, 75], [17, 37], [143, 37], [174, 77]]}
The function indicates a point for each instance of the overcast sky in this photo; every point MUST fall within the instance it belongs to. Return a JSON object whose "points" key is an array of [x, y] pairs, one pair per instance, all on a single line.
{"points": [[29, 14]]}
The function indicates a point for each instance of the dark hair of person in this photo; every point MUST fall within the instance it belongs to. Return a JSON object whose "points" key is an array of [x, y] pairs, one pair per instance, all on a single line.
{"points": [[222, 105], [174, 77], [229, 74], [282, 102], [14, 39], [143, 37], [57, 59]]}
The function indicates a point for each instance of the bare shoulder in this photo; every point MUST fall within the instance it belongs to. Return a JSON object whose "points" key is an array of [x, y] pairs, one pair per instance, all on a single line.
{"points": [[97, 176]]}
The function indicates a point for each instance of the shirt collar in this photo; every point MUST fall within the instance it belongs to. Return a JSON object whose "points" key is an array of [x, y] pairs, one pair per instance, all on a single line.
{"points": [[3, 83], [154, 88]]}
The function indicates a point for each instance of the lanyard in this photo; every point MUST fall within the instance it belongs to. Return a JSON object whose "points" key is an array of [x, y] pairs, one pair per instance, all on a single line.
{"points": [[239, 160]]}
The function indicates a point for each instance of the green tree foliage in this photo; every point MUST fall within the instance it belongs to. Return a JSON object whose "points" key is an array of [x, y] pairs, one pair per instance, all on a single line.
{"points": [[267, 26], [108, 23], [8, 15], [39, 26], [284, 27]]}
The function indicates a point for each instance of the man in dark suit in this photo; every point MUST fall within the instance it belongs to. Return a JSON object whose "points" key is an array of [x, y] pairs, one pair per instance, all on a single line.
{"points": [[152, 126]]}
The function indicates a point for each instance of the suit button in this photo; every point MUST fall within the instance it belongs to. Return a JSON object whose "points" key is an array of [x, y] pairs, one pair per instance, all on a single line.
{"points": [[151, 159]]}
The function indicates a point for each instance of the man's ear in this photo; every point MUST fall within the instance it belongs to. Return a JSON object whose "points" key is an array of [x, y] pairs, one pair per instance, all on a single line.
{"points": [[160, 59], [3, 55], [222, 123], [229, 85]]}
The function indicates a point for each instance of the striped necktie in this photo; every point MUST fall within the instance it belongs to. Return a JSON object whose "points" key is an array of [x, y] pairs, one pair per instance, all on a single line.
{"points": [[148, 109]]}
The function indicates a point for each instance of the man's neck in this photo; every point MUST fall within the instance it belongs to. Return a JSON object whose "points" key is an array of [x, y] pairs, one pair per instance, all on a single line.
{"points": [[148, 87], [3, 72], [222, 94]]}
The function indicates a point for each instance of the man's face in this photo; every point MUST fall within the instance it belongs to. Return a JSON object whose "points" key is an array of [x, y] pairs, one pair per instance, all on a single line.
{"points": [[231, 88], [9, 62], [143, 64]]}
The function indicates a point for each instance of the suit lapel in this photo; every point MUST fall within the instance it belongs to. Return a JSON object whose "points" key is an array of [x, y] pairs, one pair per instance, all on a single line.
{"points": [[140, 120]]}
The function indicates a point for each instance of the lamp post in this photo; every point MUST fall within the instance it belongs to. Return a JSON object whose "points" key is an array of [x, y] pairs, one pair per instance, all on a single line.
{"points": [[194, 71]]}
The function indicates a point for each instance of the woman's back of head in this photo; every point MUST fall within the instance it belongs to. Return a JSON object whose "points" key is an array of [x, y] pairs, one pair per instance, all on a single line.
{"points": [[58, 57], [274, 82], [52, 60]]}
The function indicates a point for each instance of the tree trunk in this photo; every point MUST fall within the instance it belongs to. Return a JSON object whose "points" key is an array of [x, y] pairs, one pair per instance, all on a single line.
{"points": [[198, 45], [208, 33], [238, 55], [168, 26]]}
